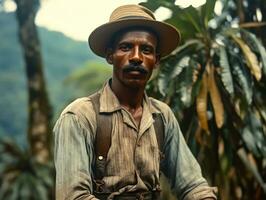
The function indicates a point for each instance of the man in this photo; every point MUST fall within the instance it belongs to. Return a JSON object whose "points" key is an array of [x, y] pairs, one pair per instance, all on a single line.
{"points": [[126, 162]]}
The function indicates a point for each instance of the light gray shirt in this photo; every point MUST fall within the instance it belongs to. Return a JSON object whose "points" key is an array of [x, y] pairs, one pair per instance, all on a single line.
{"points": [[133, 160]]}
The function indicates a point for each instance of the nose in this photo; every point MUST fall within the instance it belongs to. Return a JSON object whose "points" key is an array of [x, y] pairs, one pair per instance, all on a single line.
{"points": [[136, 56]]}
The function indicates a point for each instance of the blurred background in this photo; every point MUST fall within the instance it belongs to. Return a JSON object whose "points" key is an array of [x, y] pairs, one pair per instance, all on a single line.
{"points": [[215, 82]]}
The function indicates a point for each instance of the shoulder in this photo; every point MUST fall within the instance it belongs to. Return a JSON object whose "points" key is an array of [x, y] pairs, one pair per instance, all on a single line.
{"points": [[79, 106], [160, 106], [166, 112], [82, 109]]}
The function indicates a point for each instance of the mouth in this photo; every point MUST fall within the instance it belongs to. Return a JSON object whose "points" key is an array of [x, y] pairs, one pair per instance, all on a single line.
{"points": [[135, 70]]}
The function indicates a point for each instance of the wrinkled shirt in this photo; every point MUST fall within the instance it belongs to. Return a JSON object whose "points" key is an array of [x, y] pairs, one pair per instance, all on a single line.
{"points": [[133, 160]]}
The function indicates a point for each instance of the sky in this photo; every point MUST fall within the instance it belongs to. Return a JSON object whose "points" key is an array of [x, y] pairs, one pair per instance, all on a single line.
{"points": [[78, 18]]}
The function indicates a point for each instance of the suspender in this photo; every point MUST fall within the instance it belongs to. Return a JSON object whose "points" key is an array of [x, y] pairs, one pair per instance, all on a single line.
{"points": [[102, 141]]}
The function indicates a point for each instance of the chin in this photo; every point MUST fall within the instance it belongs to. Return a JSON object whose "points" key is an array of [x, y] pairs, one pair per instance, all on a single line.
{"points": [[135, 84]]}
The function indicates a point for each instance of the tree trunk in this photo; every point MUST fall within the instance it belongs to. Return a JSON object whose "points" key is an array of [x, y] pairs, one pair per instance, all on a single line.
{"points": [[240, 11], [39, 129]]}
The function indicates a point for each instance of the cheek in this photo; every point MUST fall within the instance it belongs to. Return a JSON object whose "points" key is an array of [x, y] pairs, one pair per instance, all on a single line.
{"points": [[119, 60], [151, 62]]}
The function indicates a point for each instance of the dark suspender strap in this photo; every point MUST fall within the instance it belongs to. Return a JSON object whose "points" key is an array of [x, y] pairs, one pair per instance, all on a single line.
{"points": [[159, 130], [102, 141]]}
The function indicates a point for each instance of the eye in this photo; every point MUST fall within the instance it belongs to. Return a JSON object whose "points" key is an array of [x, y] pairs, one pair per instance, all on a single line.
{"points": [[124, 47], [146, 49]]}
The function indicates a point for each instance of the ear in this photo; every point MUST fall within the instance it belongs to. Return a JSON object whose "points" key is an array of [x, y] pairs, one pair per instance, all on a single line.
{"points": [[158, 59], [109, 56]]}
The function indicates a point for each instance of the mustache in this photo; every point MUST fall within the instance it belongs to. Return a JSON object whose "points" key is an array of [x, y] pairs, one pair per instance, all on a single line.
{"points": [[139, 68]]}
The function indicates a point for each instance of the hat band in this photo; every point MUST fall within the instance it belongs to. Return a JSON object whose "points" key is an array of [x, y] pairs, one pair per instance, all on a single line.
{"points": [[135, 17]]}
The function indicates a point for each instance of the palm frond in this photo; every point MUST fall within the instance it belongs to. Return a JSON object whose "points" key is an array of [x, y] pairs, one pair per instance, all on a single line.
{"points": [[184, 83], [249, 162], [20, 173], [216, 99], [257, 45], [202, 103], [207, 11], [252, 61], [226, 72], [245, 83], [183, 62]]}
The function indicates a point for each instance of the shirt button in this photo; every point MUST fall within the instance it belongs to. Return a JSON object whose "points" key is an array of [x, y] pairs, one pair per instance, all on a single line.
{"points": [[100, 157]]}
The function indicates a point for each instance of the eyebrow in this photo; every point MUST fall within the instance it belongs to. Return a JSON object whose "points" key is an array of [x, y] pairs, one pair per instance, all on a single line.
{"points": [[130, 42]]}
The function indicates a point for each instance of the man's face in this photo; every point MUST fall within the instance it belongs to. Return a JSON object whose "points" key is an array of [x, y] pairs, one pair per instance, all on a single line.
{"points": [[133, 57]]}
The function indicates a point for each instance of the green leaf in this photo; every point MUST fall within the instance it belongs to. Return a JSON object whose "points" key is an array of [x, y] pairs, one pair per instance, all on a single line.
{"points": [[207, 11], [162, 84], [251, 166], [188, 21], [152, 5], [250, 140], [253, 41], [194, 18], [226, 72], [251, 58], [253, 135], [184, 84], [242, 78], [182, 63]]}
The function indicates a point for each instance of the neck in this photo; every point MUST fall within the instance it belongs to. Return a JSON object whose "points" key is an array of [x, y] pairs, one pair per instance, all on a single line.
{"points": [[130, 98]]}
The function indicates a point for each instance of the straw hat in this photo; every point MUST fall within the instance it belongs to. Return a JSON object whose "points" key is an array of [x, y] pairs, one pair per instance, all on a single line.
{"points": [[129, 16]]}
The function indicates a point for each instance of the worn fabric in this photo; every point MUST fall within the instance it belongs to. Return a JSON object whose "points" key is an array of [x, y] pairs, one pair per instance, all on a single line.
{"points": [[133, 160]]}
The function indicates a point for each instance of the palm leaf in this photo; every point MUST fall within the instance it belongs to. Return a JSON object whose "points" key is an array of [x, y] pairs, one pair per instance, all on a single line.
{"points": [[162, 84], [253, 136], [194, 18], [226, 72], [216, 99], [185, 84], [207, 11], [257, 46], [202, 103], [243, 79], [183, 62], [251, 166], [251, 58]]}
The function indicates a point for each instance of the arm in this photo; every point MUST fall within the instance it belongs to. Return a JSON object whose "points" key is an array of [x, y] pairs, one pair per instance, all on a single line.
{"points": [[180, 166], [73, 154]]}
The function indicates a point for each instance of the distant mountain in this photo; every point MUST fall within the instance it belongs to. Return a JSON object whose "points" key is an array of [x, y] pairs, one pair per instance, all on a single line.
{"points": [[61, 56]]}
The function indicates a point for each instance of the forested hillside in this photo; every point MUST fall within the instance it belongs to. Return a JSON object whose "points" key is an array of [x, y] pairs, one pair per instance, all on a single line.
{"points": [[62, 56]]}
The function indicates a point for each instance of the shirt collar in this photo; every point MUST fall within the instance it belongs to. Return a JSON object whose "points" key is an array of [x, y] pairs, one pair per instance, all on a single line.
{"points": [[109, 102]]}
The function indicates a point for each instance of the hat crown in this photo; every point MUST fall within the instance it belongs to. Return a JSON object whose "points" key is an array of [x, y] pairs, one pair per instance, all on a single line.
{"points": [[131, 16], [131, 11]]}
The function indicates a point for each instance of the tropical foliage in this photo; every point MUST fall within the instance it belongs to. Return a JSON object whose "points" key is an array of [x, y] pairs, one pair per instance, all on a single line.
{"points": [[215, 83], [54, 47], [21, 171], [89, 78], [22, 176]]}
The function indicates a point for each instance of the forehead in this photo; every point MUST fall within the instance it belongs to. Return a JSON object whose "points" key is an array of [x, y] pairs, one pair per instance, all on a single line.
{"points": [[136, 35]]}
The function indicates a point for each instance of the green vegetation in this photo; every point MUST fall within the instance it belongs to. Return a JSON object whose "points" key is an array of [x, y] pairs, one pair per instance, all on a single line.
{"points": [[61, 55], [20, 174], [89, 78], [215, 83]]}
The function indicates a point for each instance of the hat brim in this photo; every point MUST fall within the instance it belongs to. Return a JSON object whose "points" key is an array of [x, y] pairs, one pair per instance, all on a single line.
{"points": [[167, 34]]}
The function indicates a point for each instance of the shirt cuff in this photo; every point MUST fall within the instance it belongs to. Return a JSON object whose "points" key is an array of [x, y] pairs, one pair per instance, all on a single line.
{"points": [[202, 192], [91, 197]]}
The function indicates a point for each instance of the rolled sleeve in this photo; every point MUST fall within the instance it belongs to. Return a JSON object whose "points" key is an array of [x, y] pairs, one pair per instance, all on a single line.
{"points": [[202, 192], [180, 166], [73, 155]]}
